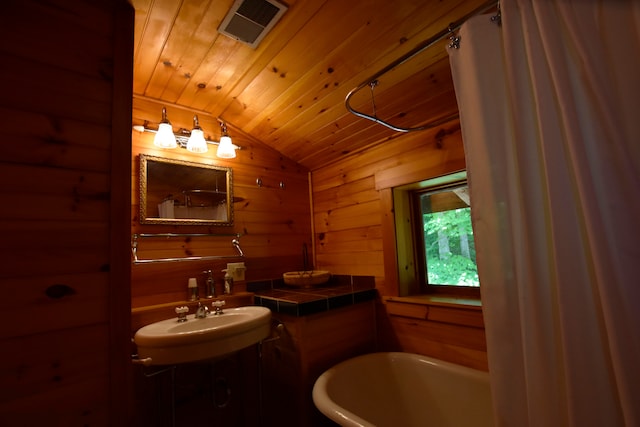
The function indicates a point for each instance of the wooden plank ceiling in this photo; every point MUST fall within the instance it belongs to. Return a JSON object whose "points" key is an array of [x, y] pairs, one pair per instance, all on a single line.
{"points": [[289, 92]]}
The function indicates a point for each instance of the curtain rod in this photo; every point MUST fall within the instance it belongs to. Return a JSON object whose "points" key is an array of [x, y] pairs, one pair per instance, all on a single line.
{"points": [[372, 81]]}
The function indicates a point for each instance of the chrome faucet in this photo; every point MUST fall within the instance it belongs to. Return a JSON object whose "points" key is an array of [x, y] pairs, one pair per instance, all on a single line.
{"points": [[236, 244], [202, 311]]}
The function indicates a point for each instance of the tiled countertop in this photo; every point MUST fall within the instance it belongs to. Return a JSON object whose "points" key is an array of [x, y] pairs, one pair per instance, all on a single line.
{"points": [[340, 291]]}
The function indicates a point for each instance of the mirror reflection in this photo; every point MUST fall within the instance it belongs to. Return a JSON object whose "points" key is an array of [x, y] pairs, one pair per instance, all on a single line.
{"points": [[184, 193]]}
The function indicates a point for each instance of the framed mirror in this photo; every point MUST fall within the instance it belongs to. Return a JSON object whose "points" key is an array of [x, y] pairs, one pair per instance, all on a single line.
{"points": [[184, 193]]}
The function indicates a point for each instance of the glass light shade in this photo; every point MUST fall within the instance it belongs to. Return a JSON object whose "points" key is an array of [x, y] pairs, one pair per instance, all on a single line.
{"points": [[196, 142], [165, 137], [226, 149]]}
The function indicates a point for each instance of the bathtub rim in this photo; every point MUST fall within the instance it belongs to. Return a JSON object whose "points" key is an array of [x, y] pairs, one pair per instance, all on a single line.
{"points": [[348, 419]]}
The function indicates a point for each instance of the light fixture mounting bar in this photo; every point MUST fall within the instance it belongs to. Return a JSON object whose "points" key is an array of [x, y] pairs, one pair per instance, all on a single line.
{"points": [[181, 138]]}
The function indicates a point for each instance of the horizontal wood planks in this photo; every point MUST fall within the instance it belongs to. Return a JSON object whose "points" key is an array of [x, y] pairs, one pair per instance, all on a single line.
{"points": [[273, 221], [63, 284], [452, 332], [354, 233], [349, 207]]}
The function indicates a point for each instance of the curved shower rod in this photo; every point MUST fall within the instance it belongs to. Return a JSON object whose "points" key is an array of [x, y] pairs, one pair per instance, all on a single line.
{"points": [[373, 80]]}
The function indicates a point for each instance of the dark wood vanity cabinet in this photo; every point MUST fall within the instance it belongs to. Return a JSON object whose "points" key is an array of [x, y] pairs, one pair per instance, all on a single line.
{"points": [[307, 347]]}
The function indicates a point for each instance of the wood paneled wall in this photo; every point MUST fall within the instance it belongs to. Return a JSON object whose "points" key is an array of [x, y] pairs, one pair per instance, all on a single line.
{"points": [[445, 328], [352, 205], [354, 233], [65, 97], [274, 222]]}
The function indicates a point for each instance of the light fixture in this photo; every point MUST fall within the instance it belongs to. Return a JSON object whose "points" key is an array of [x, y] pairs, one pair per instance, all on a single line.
{"points": [[196, 142], [165, 137], [226, 150], [193, 140]]}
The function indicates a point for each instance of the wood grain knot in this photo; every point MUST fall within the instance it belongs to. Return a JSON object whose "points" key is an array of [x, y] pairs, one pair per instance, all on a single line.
{"points": [[59, 291]]}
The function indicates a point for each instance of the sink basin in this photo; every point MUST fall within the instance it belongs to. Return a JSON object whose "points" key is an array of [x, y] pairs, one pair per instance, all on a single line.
{"points": [[307, 278], [169, 342]]}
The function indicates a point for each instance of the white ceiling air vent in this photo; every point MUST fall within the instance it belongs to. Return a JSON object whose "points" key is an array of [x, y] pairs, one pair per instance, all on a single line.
{"points": [[249, 21]]}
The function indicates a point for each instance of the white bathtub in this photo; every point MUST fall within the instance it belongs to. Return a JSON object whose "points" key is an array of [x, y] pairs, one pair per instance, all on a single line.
{"points": [[403, 389]]}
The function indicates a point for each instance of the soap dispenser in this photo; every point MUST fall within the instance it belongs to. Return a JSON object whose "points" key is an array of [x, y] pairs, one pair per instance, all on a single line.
{"points": [[228, 282]]}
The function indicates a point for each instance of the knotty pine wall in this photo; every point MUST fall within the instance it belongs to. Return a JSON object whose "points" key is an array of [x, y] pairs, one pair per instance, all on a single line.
{"points": [[354, 233], [274, 222], [352, 208], [65, 102]]}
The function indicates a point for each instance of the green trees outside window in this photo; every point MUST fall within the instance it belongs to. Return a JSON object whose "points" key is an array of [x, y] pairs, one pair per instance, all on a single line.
{"points": [[449, 248]]}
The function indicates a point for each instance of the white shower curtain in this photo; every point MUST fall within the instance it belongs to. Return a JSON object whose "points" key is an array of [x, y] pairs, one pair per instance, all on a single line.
{"points": [[550, 114]]}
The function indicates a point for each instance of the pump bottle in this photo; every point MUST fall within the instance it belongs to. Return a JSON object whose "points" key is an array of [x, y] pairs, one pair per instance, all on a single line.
{"points": [[228, 282]]}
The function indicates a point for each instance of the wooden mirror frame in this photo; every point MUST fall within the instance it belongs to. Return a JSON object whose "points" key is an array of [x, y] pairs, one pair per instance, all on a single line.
{"points": [[163, 179]]}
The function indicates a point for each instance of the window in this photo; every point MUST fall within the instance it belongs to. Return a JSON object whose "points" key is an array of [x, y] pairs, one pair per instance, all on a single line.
{"points": [[436, 250], [448, 250]]}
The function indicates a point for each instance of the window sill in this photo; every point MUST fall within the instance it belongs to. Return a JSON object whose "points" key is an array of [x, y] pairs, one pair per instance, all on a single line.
{"points": [[441, 300], [457, 310]]}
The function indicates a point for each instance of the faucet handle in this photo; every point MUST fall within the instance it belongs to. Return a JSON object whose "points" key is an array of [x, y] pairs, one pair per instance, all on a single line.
{"points": [[182, 313], [217, 305]]}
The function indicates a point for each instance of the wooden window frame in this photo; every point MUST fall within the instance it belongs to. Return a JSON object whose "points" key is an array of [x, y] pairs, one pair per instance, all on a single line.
{"points": [[411, 264]]}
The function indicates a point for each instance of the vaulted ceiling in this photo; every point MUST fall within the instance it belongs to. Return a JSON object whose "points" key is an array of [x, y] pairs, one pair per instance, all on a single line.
{"points": [[289, 92]]}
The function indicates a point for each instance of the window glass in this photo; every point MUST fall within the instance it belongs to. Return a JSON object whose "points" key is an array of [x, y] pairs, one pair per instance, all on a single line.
{"points": [[435, 248], [447, 246]]}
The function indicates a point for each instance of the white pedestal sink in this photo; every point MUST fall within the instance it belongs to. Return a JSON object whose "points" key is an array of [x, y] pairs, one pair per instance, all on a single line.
{"points": [[169, 342]]}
